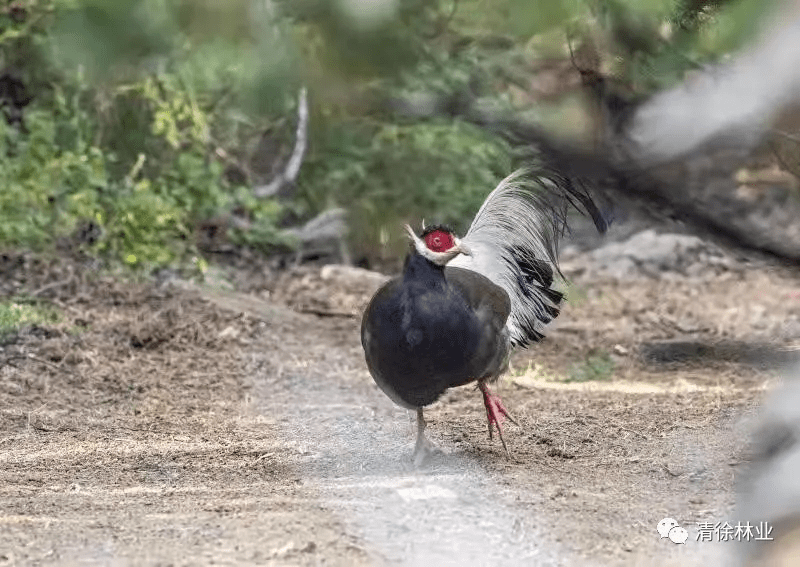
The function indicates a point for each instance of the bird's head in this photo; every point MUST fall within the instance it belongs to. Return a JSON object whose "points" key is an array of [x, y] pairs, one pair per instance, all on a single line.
{"points": [[438, 244]]}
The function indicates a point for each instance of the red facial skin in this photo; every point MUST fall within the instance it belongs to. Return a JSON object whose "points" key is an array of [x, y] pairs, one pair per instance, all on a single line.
{"points": [[439, 241]]}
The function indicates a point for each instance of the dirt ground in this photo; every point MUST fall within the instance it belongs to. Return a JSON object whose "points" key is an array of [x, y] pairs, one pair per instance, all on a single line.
{"points": [[172, 424]]}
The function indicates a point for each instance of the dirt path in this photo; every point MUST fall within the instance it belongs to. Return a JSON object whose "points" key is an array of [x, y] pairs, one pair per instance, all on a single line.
{"points": [[452, 512], [170, 428]]}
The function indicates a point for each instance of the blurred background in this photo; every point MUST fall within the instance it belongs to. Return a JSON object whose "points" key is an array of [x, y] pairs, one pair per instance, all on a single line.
{"points": [[152, 133]]}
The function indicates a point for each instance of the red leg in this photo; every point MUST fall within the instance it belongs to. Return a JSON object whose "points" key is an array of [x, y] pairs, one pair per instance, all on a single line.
{"points": [[495, 413]]}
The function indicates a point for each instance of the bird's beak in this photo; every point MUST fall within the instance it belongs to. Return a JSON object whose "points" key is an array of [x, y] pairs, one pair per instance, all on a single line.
{"points": [[440, 258]]}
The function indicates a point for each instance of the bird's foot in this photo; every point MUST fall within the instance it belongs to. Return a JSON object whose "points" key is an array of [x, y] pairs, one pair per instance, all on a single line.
{"points": [[423, 450], [496, 413]]}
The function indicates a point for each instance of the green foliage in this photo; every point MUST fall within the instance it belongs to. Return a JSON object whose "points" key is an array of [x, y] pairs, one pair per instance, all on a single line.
{"points": [[44, 186], [143, 107], [263, 233], [573, 293], [103, 35], [521, 18], [657, 42], [732, 25], [17, 313], [128, 38], [144, 227], [387, 174], [51, 190], [598, 365], [127, 161], [530, 18], [374, 38]]}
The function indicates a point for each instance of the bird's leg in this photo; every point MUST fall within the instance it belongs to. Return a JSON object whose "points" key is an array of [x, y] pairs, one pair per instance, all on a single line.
{"points": [[495, 413], [423, 446]]}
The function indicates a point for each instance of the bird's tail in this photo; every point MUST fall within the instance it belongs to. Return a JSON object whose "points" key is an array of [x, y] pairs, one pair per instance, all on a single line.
{"points": [[513, 241]]}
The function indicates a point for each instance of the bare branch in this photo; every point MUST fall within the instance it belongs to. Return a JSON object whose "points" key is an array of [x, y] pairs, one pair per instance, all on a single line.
{"points": [[292, 169], [328, 225]]}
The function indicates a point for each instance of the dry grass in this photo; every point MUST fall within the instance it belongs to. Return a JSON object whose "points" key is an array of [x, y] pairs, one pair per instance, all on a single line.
{"points": [[134, 421], [130, 421]]}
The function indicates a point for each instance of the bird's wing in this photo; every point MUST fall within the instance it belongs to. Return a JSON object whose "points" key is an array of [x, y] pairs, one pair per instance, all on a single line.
{"points": [[492, 306], [513, 241], [489, 301]]}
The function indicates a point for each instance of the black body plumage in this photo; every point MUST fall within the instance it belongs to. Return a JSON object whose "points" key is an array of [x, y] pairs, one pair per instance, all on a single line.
{"points": [[434, 328], [462, 304]]}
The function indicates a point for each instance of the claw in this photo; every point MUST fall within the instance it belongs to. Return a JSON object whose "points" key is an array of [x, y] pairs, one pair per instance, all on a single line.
{"points": [[495, 414]]}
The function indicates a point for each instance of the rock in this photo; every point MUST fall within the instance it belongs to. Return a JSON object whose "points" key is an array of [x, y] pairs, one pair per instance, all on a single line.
{"points": [[333, 290], [651, 253], [216, 277], [352, 277]]}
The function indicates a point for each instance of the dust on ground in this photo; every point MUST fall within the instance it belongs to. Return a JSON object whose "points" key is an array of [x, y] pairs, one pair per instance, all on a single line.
{"points": [[172, 424]]}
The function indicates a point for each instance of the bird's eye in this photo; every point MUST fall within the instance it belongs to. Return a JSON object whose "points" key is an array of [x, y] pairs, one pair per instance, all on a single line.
{"points": [[437, 241]]}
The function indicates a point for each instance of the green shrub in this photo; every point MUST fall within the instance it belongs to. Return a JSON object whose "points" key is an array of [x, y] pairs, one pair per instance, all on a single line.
{"points": [[388, 174], [129, 152], [16, 314], [137, 102]]}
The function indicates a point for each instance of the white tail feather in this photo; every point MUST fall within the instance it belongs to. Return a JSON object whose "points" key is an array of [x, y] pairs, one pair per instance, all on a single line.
{"points": [[513, 241]]}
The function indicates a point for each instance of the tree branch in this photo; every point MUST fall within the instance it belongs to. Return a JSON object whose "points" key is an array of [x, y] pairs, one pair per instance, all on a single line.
{"points": [[626, 179], [289, 174], [327, 226]]}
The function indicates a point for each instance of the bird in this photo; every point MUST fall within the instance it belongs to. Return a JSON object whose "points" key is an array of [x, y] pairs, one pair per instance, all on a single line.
{"points": [[462, 304]]}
